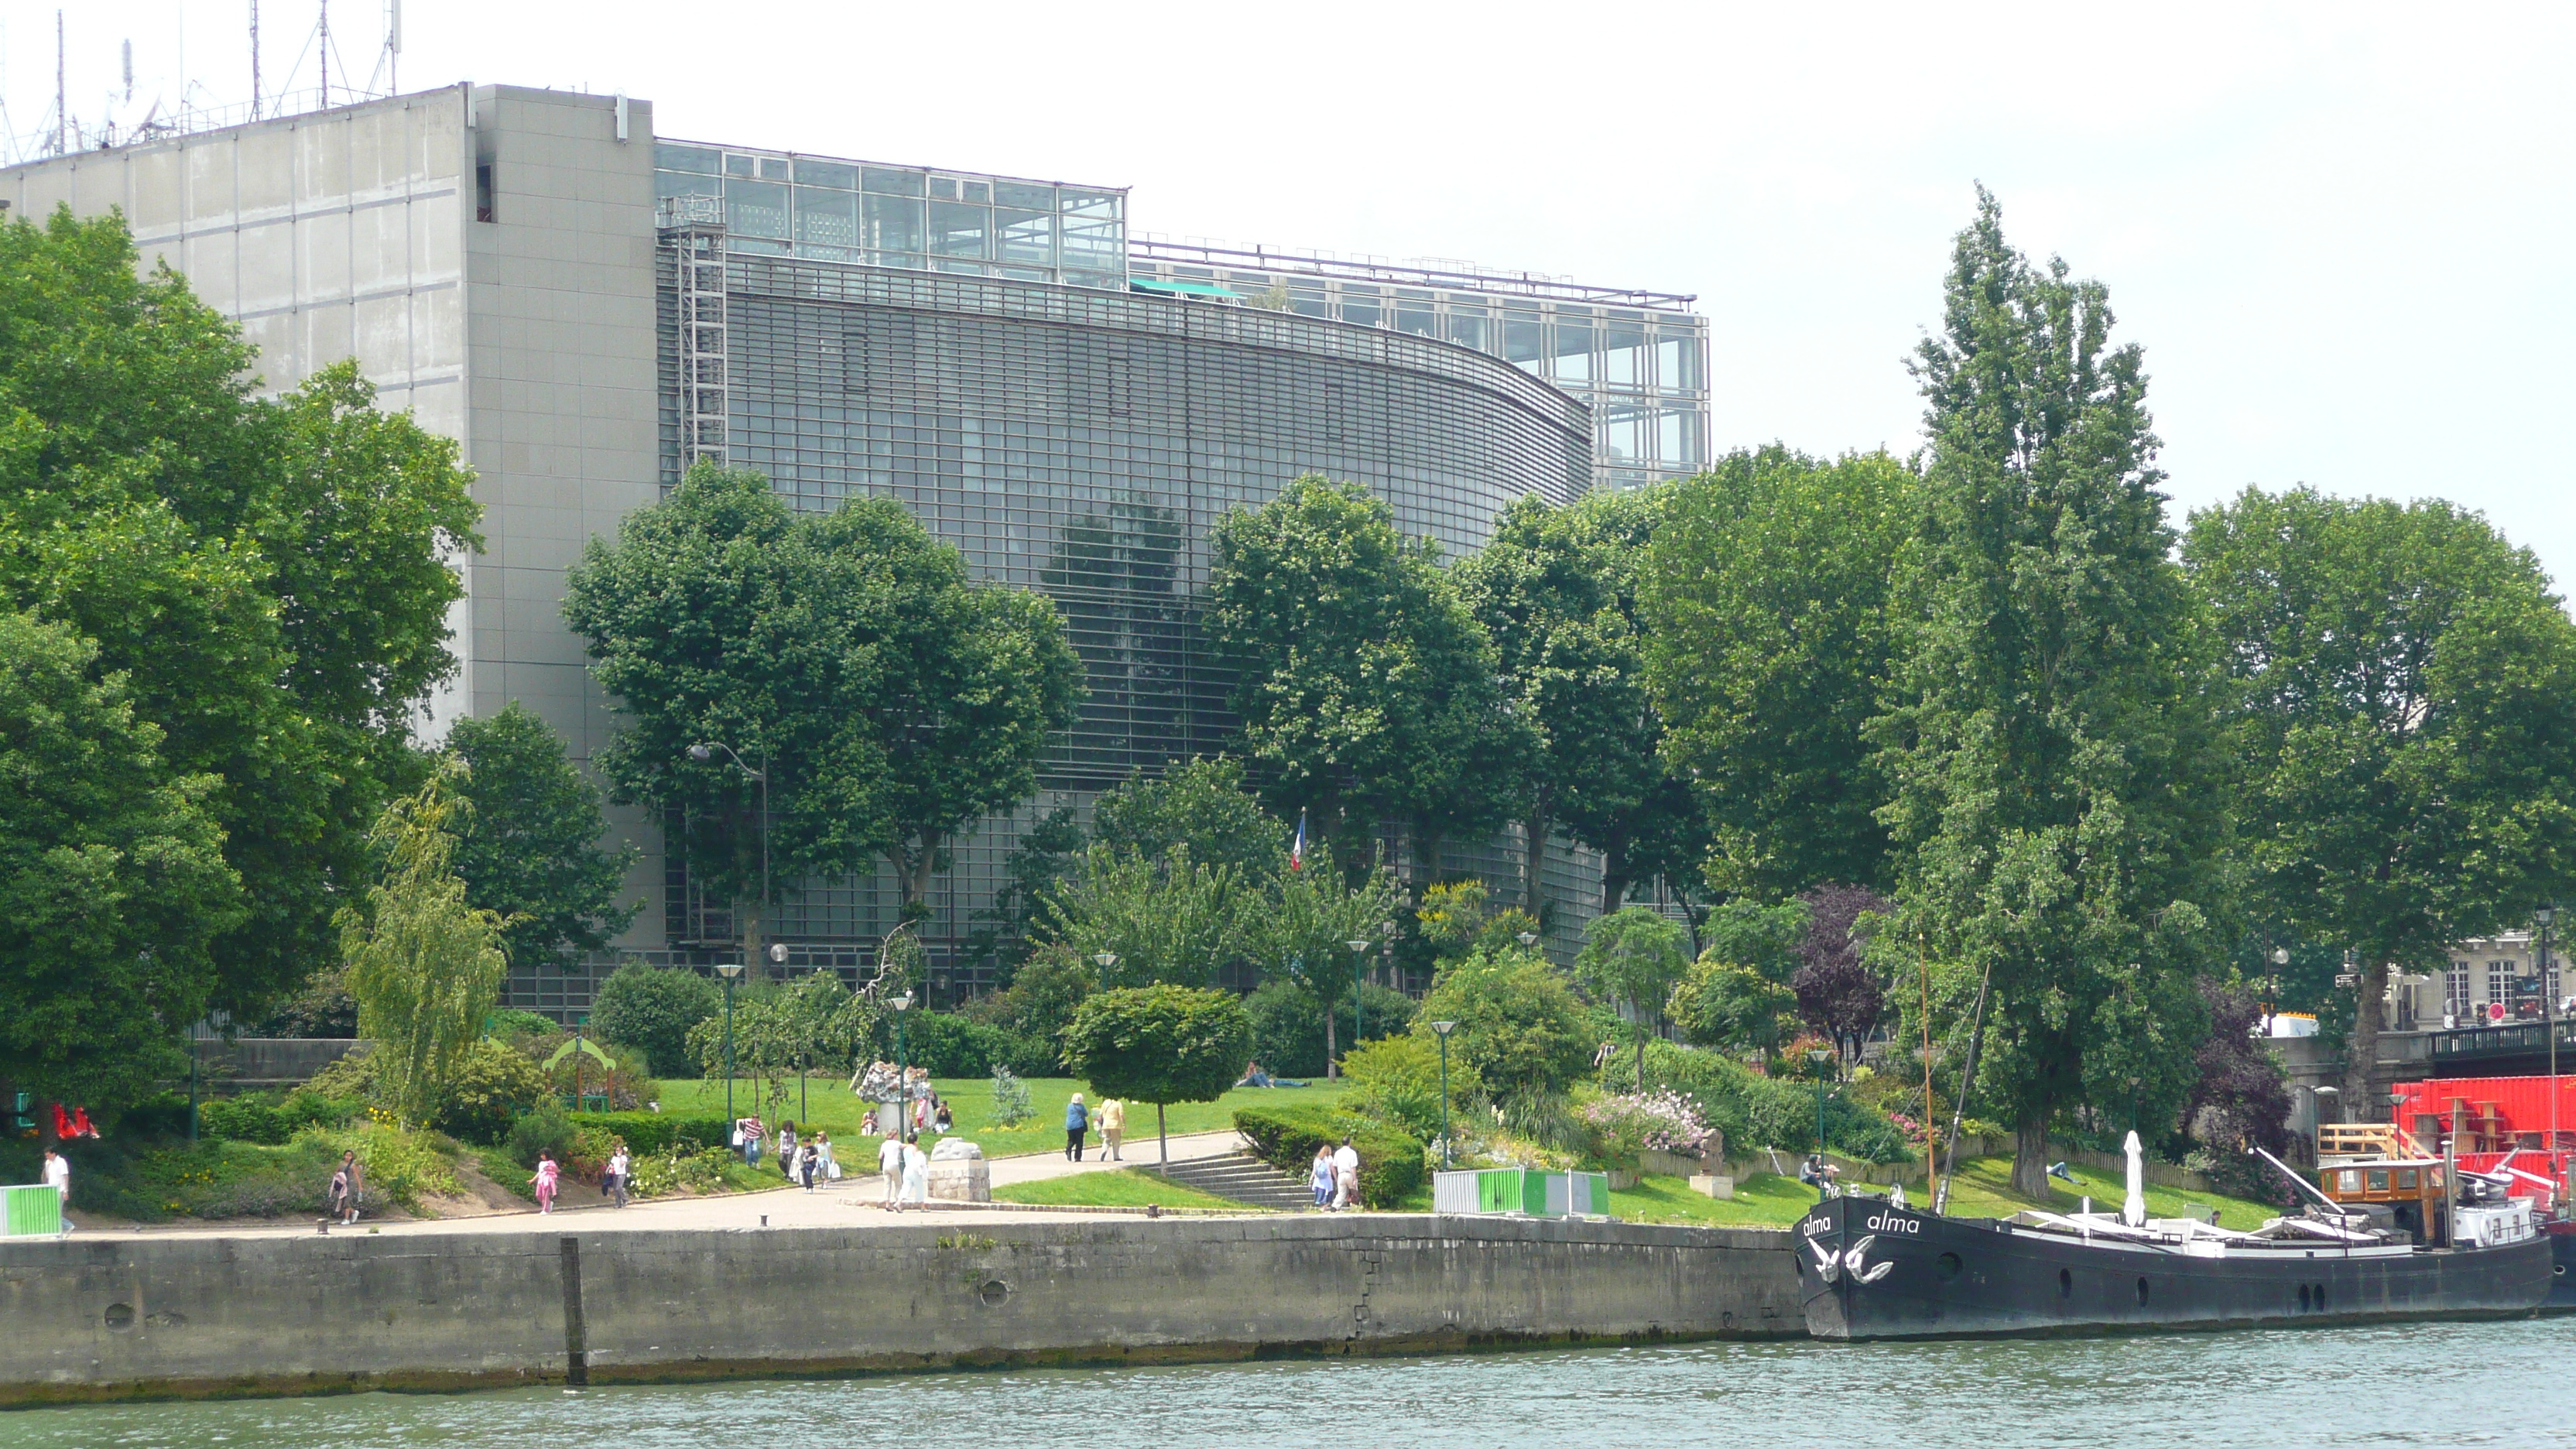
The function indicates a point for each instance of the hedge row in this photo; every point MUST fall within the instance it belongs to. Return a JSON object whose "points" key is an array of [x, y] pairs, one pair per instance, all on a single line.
{"points": [[1391, 1167], [650, 1134]]}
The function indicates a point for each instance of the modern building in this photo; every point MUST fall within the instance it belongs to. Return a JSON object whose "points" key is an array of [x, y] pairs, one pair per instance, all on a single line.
{"points": [[589, 308], [1638, 359]]}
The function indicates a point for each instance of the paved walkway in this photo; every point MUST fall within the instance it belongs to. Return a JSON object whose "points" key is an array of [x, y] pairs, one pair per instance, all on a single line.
{"points": [[854, 1201]]}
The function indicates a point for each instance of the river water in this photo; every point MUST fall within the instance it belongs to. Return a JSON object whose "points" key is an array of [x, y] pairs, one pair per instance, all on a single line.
{"points": [[2448, 1384]]}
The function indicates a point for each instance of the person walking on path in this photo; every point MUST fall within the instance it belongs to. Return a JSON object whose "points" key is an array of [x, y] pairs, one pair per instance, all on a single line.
{"points": [[1077, 1120], [348, 1189], [58, 1176], [1113, 1128], [747, 1132], [548, 1175], [787, 1150], [620, 1168], [1322, 1176], [1346, 1176], [916, 1174], [808, 1162], [890, 1165], [824, 1166]]}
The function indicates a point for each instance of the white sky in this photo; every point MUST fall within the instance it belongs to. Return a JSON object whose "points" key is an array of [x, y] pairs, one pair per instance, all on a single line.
{"points": [[2341, 231]]}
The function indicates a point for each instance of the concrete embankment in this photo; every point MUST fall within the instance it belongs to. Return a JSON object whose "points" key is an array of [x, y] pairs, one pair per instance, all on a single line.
{"points": [[209, 1316]]}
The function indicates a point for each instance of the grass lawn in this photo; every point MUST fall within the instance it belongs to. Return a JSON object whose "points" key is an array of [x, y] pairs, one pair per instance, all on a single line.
{"points": [[1133, 1187], [1982, 1189], [833, 1109]]}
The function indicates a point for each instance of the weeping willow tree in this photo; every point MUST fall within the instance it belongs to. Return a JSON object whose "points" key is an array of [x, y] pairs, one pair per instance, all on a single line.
{"points": [[425, 967]]}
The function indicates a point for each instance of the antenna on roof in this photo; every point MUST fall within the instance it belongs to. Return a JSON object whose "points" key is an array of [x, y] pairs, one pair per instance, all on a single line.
{"points": [[129, 70], [62, 103], [324, 30], [254, 59], [393, 47]]}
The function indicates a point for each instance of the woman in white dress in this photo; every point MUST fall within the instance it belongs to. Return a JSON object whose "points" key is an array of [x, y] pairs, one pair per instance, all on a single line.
{"points": [[916, 1173]]}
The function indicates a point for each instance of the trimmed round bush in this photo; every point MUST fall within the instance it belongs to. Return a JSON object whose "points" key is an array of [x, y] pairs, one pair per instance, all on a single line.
{"points": [[651, 1009]]}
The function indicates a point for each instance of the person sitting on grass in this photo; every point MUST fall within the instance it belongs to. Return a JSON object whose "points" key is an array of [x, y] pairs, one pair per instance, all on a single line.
{"points": [[1254, 1076]]}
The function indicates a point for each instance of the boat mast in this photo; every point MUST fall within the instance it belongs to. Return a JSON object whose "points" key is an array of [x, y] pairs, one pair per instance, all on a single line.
{"points": [[1967, 1082], [1923, 968]]}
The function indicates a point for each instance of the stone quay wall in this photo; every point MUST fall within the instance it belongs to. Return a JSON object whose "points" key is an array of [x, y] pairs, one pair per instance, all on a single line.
{"points": [[110, 1318]]}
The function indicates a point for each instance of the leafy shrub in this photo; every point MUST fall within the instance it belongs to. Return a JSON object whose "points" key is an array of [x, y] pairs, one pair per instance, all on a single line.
{"points": [[1010, 1099], [251, 1118], [1752, 1110], [1159, 1044], [547, 1128], [679, 1170], [352, 1076], [1723, 1004], [651, 1008], [950, 1045], [1399, 1079], [1624, 1127], [1288, 1029], [495, 1085], [1519, 1025], [164, 1114], [1391, 1163], [648, 1133], [509, 1022]]}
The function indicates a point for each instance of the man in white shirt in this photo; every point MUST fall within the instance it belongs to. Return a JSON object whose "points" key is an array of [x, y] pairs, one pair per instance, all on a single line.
{"points": [[890, 1162], [58, 1176], [1346, 1175]]}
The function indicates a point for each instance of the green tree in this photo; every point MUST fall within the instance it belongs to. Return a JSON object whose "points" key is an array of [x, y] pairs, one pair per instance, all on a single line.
{"points": [[1159, 1044], [2404, 676], [1637, 955], [1767, 591], [113, 886], [1302, 934], [1519, 1027], [1004, 931], [1166, 920], [1365, 686], [527, 842], [425, 966], [1556, 593], [271, 576], [1203, 805], [1729, 1005], [2059, 791], [887, 700], [651, 1009]]}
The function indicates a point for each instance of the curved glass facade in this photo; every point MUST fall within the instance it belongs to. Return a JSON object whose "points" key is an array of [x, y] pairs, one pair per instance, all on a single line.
{"points": [[1084, 442]]}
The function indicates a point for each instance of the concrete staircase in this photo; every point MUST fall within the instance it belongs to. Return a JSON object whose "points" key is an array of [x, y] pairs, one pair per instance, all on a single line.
{"points": [[1244, 1178]]}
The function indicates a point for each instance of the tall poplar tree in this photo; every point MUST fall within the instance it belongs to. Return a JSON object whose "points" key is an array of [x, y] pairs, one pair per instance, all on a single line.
{"points": [[2058, 808], [2405, 680]]}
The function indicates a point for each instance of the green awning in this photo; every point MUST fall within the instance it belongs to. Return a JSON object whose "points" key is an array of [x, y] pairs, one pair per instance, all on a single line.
{"points": [[1182, 289]]}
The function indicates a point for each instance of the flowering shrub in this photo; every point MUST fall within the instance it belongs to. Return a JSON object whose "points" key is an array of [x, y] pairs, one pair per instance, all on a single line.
{"points": [[1663, 1121]]}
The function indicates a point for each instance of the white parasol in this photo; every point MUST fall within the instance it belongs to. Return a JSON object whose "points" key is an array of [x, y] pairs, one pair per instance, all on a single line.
{"points": [[2133, 1208]]}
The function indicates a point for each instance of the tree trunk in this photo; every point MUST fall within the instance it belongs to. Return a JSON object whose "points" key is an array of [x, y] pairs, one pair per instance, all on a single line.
{"points": [[1162, 1136], [1332, 1066], [2030, 1158], [2360, 1102], [1641, 1063]]}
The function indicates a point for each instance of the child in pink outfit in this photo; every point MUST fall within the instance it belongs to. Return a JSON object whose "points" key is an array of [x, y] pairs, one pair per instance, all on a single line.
{"points": [[547, 1176]]}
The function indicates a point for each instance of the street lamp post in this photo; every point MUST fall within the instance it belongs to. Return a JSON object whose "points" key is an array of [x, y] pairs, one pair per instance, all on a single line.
{"points": [[729, 970], [707, 751], [1359, 953], [1104, 960], [1444, 1028], [1816, 1057], [902, 1073], [193, 1049]]}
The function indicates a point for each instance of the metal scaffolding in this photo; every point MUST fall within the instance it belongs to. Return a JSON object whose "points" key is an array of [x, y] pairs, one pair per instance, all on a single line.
{"points": [[696, 236]]}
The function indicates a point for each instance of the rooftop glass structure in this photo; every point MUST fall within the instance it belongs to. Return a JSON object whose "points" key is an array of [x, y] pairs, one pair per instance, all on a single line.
{"points": [[782, 203], [1637, 358]]}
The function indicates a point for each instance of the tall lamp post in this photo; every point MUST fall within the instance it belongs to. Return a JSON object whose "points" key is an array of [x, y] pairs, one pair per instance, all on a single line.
{"points": [[1104, 960], [1359, 954], [1816, 1057], [1444, 1028], [729, 970], [902, 1072], [707, 751]]}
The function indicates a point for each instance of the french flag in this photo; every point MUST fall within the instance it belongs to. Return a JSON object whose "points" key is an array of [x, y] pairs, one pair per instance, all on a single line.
{"points": [[1297, 846]]}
